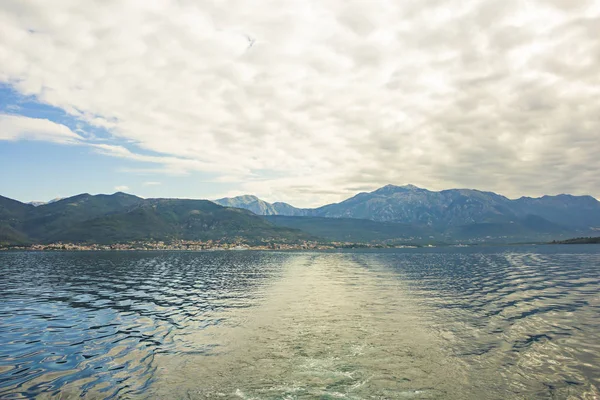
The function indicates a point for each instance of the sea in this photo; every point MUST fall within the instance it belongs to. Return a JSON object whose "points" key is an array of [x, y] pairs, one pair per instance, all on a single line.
{"points": [[497, 322]]}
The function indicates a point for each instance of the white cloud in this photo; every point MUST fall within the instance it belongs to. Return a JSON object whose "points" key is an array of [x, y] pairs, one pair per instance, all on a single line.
{"points": [[16, 127], [151, 183], [171, 165], [331, 95], [121, 188]]}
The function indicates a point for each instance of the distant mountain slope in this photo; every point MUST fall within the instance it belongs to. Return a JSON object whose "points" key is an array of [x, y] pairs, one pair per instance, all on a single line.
{"points": [[530, 228], [387, 214], [10, 235], [121, 218], [41, 203], [355, 230], [12, 215], [413, 205], [45, 221], [564, 209], [260, 207], [449, 208], [10, 208]]}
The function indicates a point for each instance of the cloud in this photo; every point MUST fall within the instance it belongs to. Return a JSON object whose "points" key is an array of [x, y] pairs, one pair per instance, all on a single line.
{"points": [[331, 95], [170, 165], [121, 188], [152, 183], [16, 127]]}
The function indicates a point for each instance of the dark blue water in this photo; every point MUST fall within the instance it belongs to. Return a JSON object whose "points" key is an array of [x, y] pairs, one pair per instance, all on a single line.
{"points": [[487, 323]]}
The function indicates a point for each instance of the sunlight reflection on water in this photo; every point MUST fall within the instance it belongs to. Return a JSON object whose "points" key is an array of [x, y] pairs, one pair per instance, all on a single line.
{"points": [[520, 322]]}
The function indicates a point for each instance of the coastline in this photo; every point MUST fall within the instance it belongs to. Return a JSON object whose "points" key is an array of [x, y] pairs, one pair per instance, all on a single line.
{"points": [[199, 246]]}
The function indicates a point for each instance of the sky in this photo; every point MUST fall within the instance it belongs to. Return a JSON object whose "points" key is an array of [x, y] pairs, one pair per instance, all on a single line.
{"points": [[302, 101]]}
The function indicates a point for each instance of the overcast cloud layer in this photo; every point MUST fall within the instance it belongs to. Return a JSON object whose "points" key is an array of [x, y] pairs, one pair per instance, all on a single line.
{"points": [[311, 101]]}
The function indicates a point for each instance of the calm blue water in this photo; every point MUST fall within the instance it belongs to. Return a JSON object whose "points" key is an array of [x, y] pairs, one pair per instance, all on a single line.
{"points": [[450, 323]]}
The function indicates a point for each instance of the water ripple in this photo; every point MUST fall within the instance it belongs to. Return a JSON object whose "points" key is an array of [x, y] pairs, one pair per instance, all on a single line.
{"points": [[514, 322], [92, 324]]}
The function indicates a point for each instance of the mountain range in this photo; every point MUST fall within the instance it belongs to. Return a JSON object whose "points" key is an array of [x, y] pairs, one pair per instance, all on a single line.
{"points": [[261, 207], [122, 217], [391, 214], [446, 208], [454, 214], [41, 203]]}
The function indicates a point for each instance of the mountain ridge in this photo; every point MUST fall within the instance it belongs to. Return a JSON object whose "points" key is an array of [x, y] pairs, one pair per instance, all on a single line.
{"points": [[450, 207], [389, 214], [122, 217], [258, 206]]}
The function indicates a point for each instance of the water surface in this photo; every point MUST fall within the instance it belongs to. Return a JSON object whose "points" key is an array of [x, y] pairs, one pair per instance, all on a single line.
{"points": [[451, 323]]}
